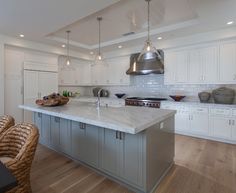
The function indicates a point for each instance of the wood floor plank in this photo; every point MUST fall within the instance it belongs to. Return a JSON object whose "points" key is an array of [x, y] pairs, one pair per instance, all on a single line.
{"points": [[201, 166]]}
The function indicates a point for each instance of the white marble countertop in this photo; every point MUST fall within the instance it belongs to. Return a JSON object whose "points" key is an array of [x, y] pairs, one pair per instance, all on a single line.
{"points": [[125, 119], [199, 104]]}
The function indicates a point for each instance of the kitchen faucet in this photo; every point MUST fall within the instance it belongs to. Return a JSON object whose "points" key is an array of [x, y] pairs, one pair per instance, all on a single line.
{"points": [[99, 98]]}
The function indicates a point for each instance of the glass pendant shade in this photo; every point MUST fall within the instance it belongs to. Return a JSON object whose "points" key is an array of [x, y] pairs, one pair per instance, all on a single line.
{"points": [[99, 59], [148, 52], [68, 62]]}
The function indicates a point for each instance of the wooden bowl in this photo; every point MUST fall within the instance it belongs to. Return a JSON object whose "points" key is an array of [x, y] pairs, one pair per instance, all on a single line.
{"points": [[177, 98]]}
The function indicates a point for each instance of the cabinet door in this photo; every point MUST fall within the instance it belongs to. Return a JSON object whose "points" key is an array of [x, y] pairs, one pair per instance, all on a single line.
{"points": [[48, 83], [55, 132], [132, 160], [195, 66], [67, 76], [209, 60], [83, 73], [234, 129], [31, 84], [110, 152], [228, 62], [199, 123], [45, 129], [38, 122], [182, 121], [181, 69], [117, 71], [169, 75], [85, 143], [65, 136], [100, 74], [221, 127]]}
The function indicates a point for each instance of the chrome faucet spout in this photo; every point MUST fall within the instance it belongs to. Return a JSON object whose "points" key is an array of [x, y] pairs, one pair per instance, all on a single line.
{"points": [[99, 98]]}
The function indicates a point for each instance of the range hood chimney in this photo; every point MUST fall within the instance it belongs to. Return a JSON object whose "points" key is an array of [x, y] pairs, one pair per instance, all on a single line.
{"points": [[150, 64]]}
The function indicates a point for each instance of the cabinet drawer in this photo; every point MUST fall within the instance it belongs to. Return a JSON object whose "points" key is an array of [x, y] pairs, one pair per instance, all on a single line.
{"points": [[199, 110], [221, 111]]}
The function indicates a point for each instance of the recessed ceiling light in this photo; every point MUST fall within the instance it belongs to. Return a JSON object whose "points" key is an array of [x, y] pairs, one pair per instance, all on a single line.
{"points": [[91, 53], [230, 22], [63, 45], [22, 35], [159, 38], [120, 46]]}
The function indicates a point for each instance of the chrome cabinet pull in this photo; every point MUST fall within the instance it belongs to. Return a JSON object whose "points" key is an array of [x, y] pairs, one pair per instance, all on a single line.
{"points": [[116, 134], [229, 122], [39, 115], [82, 125], [120, 135], [57, 119]]}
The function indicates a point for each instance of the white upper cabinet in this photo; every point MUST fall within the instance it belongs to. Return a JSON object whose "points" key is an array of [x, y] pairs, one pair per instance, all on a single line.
{"points": [[117, 71], [78, 73], [176, 67], [228, 62], [112, 72], [100, 74], [84, 73], [203, 65], [181, 67]]}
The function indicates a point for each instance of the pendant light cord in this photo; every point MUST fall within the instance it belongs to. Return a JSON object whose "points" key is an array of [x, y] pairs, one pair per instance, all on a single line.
{"points": [[68, 43], [99, 32], [148, 20]]}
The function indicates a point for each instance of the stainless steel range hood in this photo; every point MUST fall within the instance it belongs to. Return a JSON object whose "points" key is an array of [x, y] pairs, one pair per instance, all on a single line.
{"points": [[150, 64]]}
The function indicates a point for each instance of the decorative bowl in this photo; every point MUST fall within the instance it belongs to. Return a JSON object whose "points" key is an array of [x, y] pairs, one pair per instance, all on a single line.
{"points": [[177, 98], [204, 97], [120, 95]]}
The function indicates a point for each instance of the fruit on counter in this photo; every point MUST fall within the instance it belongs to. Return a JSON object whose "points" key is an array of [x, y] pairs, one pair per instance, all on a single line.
{"points": [[54, 99]]}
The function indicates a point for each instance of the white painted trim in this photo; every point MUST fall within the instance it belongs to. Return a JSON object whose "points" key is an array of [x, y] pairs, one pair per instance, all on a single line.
{"points": [[26, 44], [228, 34], [35, 66], [129, 38]]}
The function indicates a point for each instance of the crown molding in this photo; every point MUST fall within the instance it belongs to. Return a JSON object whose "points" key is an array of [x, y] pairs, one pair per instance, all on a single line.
{"points": [[153, 32]]}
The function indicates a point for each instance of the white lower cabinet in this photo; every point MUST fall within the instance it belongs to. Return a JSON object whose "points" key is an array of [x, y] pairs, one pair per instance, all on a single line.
{"points": [[206, 122], [199, 121], [221, 127], [234, 128]]}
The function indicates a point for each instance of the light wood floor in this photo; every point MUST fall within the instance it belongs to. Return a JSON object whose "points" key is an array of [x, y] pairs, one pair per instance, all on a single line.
{"points": [[201, 166]]}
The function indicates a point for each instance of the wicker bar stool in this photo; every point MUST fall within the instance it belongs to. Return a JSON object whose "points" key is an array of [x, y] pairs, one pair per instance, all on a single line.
{"points": [[6, 122], [17, 149]]}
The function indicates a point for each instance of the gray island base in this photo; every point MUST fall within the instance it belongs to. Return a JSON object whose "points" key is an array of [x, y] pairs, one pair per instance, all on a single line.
{"points": [[138, 161]]}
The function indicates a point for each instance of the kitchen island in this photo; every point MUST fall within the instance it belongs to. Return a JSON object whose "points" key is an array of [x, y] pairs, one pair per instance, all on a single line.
{"points": [[131, 145]]}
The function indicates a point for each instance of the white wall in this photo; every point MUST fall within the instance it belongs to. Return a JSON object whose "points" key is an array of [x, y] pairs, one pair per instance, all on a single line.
{"points": [[34, 52], [13, 85]]}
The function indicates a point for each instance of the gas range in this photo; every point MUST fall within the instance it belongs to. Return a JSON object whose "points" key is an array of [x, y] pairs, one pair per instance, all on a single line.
{"points": [[144, 102]]}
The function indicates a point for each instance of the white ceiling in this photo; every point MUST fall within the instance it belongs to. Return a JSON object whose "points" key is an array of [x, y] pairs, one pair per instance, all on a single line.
{"points": [[47, 20]]}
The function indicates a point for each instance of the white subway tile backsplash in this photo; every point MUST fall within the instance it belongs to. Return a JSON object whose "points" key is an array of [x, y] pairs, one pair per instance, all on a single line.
{"points": [[153, 85]]}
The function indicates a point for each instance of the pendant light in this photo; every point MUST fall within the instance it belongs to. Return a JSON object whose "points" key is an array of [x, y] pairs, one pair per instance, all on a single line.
{"points": [[148, 51], [68, 62], [99, 58]]}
